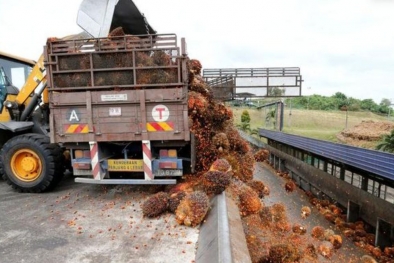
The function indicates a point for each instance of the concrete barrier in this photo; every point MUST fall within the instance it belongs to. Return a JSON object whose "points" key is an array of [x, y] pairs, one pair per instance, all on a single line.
{"points": [[222, 238]]}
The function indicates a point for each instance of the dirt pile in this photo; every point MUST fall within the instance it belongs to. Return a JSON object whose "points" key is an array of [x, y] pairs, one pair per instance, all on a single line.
{"points": [[366, 134]]}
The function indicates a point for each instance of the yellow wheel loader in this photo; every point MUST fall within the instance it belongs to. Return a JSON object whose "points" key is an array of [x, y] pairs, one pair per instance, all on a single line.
{"points": [[28, 161]]}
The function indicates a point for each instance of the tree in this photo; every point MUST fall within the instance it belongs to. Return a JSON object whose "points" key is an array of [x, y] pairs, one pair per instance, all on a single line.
{"points": [[245, 121], [340, 96], [385, 102], [387, 144], [245, 117], [368, 104], [276, 92], [353, 104], [340, 100]]}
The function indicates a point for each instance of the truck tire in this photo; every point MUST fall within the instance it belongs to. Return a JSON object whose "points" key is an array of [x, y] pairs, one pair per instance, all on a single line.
{"points": [[30, 163]]}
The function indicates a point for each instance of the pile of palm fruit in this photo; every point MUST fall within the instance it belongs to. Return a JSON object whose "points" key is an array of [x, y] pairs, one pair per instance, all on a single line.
{"points": [[223, 160]]}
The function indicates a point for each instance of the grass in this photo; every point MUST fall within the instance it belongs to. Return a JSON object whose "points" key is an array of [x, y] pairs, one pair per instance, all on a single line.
{"points": [[323, 125]]}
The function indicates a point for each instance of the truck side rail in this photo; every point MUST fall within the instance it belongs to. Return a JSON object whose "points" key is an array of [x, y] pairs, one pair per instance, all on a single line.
{"points": [[122, 62]]}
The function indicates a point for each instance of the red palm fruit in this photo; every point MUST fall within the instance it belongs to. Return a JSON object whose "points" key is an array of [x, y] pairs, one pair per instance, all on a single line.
{"points": [[266, 215], [336, 241], [305, 212], [195, 66], [196, 103], [155, 204], [284, 253], [298, 229], [290, 186], [367, 259], [220, 142], [249, 201], [257, 186], [175, 199], [193, 208], [261, 155], [310, 252], [326, 249], [221, 165], [317, 232], [183, 186], [215, 182], [278, 212]]}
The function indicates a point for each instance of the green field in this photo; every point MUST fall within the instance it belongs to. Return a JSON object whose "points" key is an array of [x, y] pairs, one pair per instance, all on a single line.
{"points": [[323, 125]]}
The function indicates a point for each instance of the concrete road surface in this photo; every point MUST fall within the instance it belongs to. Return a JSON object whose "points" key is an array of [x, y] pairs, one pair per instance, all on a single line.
{"points": [[88, 223], [294, 201]]}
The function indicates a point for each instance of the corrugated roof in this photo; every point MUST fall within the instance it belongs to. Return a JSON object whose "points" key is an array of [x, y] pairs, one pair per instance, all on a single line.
{"points": [[375, 162]]}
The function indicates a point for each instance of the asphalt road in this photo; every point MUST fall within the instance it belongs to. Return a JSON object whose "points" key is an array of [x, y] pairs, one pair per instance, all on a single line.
{"points": [[88, 223]]}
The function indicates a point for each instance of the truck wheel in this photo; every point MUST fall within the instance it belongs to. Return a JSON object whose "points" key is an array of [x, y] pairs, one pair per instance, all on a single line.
{"points": [[30, 163]]}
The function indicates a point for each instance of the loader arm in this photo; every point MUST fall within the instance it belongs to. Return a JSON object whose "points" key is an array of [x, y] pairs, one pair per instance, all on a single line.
{"points": [[35, 78]]}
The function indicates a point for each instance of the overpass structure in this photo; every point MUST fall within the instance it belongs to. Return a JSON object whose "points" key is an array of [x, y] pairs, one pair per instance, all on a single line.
{"points": [[249, 83], [359, 179]]}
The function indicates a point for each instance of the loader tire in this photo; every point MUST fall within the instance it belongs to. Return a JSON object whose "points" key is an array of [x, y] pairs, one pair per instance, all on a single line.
{"points": [[30, 163]]}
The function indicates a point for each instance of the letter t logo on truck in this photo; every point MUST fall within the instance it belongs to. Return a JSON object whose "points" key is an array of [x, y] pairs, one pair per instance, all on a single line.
{"points": [[160, 113]]}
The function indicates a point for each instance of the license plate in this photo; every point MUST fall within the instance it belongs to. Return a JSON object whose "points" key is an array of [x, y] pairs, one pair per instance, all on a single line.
{"points": [[172, 172], [82, 172]]}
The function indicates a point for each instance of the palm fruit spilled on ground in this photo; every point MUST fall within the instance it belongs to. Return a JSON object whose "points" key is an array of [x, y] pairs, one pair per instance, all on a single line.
{"points": [[192, 209], [358, 231], [290, 186], [261, 155], [258, 186], [249, 201], [305, 212], [266, 215], [299, 229], [257, 244], [367, 259], [284, 253], [185, 186], [328, 233], [310, 253], [278, 212], [335, 240], [317, 232], [175, 199], [215, 182], [279, 217], [155, 205], [326, 249], [245, 197]]}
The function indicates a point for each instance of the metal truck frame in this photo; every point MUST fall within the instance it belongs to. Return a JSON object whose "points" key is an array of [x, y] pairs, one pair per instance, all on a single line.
{"points": [[119, 105]]}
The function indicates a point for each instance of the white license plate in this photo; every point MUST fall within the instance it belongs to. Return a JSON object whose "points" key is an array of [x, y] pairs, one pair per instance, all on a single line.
{"points": [[172, 172]]}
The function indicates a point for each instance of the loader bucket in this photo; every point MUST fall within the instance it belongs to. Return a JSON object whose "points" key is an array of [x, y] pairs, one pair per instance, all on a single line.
{"points": [[99, 17]]}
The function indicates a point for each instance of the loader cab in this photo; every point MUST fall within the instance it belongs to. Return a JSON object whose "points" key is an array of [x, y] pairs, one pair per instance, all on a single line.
{"points": [[3, 91], [6, 88], [14, 71]]}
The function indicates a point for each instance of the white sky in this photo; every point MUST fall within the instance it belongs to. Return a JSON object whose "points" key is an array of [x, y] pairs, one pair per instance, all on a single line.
{"points": [[340, 45]]}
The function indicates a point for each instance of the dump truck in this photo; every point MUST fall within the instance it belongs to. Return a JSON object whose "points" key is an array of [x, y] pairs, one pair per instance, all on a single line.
{"points": [[119, 105], [112, 108]]}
